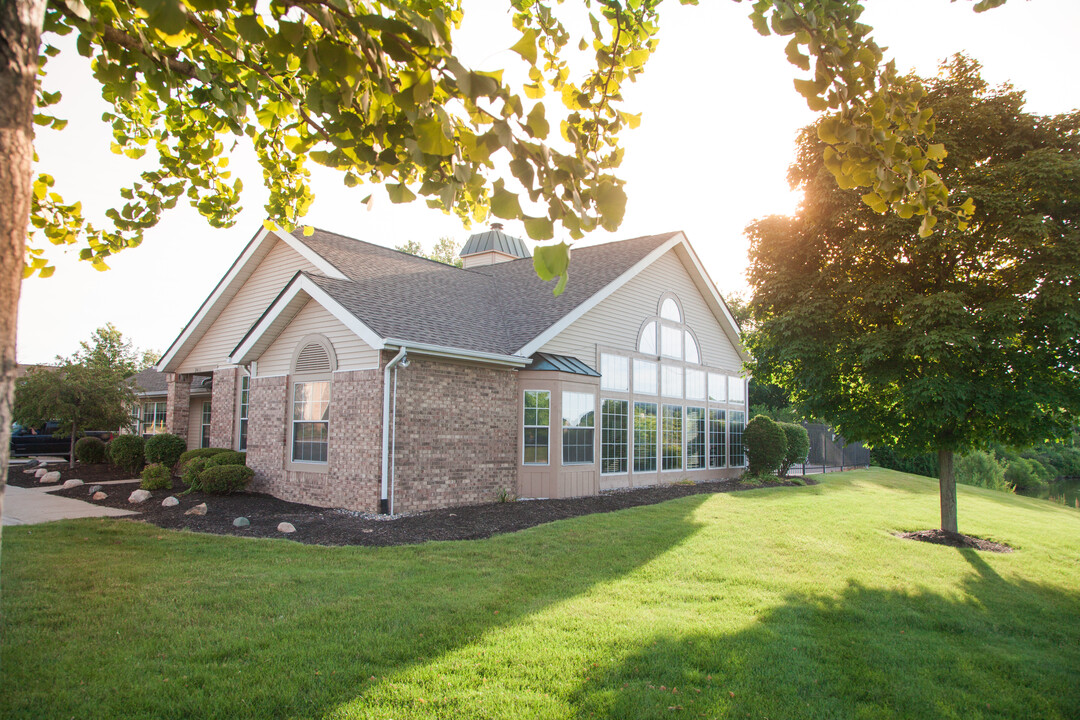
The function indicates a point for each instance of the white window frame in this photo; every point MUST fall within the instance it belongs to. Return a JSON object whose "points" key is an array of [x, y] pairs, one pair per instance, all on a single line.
{"points": [[736, 390], [627, 430], [717, 387], [204, 424], [643, 368], [567, 396], [676, 385], [700, 376], [243, 410], [614, 372], [525, 427]]}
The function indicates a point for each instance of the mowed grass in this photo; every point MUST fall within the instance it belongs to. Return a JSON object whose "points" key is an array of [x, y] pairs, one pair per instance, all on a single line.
{"points": [[772, 603]]}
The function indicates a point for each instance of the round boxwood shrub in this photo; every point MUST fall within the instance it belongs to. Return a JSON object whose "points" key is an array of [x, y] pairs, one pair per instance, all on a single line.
{"points": [[165, 449], [229, 457], [156, 477], [90, 450], [126, 452], [200, 453], [190, 470], [765, 445], [223, 479], [798, 445]]}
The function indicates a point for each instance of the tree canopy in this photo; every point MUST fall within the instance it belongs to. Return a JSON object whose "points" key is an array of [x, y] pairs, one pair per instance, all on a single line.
{"points": [[445, 251], [942, 342], [108, 349]]}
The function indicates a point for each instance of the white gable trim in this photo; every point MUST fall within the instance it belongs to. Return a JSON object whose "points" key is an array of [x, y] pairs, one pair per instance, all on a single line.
{"points": [[545, 337], [254, 252], [456, 353], [301, 284]]}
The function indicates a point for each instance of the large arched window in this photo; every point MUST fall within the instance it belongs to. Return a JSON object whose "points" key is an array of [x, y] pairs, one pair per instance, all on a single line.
{"points": [[667, 335], [313, 364]]}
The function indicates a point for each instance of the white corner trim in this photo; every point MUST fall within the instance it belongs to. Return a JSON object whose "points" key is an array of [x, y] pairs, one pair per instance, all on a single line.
{"points": [[253, 247], [303, 284], [325, 266], [545, 337], [733, 327]]}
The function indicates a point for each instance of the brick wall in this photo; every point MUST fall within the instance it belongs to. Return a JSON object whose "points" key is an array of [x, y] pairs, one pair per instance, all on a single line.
{"points": [[456, 439], [223, 408], [266, 434], [177, 403]]}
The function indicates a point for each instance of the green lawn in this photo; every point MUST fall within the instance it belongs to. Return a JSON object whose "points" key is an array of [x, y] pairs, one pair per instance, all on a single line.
{"points": [[773, 603]]}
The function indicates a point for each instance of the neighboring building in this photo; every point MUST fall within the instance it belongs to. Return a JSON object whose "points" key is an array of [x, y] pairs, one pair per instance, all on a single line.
{"points": [[361, 377], [151, 391]]}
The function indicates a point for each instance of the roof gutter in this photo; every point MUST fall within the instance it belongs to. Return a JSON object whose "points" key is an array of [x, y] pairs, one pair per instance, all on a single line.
{"points": [[456, 353]]}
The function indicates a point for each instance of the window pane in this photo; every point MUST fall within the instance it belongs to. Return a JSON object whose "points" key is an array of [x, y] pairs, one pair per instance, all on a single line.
{"points": [[579, 419], [644, 437], [670, 310], [716, 438], [735, 434], [245, 392], [692, 354], [695, 438], [695, 384], [536, 427], [671, 432], [735, 390], [671, 342], [672, 381], [717, 387], [647, 341], [614, 372], [644, 377], [614, 441], [204, 439], [311, 413]]}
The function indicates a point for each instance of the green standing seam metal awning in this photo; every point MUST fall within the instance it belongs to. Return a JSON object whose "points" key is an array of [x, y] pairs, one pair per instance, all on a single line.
{"points": [[561, 363]]}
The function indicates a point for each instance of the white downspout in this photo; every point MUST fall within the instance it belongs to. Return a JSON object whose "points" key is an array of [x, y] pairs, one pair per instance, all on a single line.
{"points": [[384, 502]]}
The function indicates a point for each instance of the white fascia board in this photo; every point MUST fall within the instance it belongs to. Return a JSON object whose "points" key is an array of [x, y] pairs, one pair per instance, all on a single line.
{"points": [[457, 353], [545, 337], [165, 364], [732, 329], [303, 284], [325, 266]]}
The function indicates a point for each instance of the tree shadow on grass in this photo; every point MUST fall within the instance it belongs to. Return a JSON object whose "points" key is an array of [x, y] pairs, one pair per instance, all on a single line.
{"points": [[1000, 650], [131, 621]]}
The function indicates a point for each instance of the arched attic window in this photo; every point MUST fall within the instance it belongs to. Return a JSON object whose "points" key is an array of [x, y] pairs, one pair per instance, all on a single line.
{"points": [[313, 364], [667, 335]]}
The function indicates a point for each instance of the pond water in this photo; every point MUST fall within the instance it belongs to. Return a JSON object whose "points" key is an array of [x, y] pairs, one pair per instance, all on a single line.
{"points": [[1063, 492]]}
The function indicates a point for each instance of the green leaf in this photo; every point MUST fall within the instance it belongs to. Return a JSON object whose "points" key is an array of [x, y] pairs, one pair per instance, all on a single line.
{"points": [[400, 193], [552, 261], [432, 139], [611, 203], [251, 29], [526, 46], [937, 152], [536, 124], [539, 228], [504, 204]]}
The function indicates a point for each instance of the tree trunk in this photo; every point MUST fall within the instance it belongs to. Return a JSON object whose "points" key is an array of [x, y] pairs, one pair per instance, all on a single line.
{"points": [[947, 484], [71, 449], [20, 39]]}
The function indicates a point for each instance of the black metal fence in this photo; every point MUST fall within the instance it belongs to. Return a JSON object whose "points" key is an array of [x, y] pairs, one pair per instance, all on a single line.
{"points": [[830, 452]]}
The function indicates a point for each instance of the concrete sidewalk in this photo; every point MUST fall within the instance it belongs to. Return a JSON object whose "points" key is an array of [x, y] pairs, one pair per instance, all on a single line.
{"points": [[30, 506]]}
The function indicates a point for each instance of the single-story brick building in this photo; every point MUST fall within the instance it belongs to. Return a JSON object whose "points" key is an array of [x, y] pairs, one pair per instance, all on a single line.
{"points": [[361, 377]]}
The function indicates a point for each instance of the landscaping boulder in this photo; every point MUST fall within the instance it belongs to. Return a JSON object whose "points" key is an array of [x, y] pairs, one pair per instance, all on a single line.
{"points": [[99, 496], [286, 527], [241, 522], [94, 489], [199, 509], [53, 476], [71, 483], [31, 471], [40, 471], [139, 496], [170, 502]]}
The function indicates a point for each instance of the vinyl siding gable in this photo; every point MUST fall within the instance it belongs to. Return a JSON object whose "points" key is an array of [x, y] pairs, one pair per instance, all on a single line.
{"points": [[352, 352], [616, 321], [275, 270]]}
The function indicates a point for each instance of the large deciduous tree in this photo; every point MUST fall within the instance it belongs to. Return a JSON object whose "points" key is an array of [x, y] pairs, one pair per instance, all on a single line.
{"points": [[941, 342]]}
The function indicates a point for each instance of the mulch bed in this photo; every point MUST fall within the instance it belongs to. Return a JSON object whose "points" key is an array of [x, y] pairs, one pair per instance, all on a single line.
{"points": [[89, 474], [957, 540], [323, 526]]}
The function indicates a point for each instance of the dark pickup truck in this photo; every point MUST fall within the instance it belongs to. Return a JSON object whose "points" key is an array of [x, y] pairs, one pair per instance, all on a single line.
{"points": [[44, 440]]}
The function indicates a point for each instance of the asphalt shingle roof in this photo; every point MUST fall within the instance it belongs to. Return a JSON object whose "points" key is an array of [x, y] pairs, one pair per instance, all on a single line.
{"points": [[152, 382], [494, 308]]}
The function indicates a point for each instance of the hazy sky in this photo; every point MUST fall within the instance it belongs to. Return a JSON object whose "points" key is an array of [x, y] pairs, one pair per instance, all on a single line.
{"points": [[719, 120]]}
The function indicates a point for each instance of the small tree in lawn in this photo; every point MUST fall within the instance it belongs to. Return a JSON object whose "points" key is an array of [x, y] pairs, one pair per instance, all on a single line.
{"points": [[924, 339], [78, 396]]}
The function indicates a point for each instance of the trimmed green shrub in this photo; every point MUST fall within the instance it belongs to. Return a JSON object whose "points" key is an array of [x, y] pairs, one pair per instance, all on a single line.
{"points": [[766, 444], [229, 457], [223, 479], [156, 477], [982, 469], [1026, 475], [798, 446], [923, 464], [165, 449], [90, 450], [190, 470], [200, 453], [126, 452]]}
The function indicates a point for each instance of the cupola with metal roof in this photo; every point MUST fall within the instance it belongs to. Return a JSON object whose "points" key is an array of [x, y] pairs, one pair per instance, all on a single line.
{"points": [[492, 246]]}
